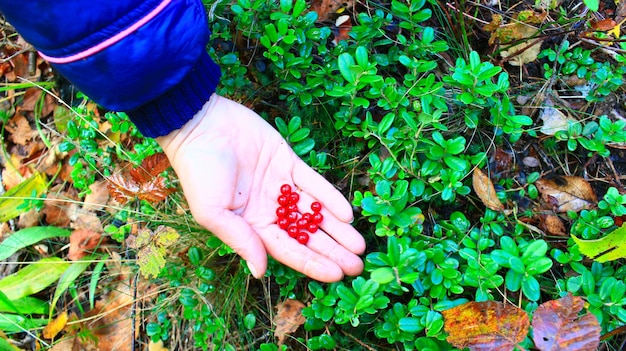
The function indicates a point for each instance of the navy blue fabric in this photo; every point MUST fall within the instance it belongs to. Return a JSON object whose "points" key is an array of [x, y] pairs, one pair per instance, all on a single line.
{"points": [[160, 74]]}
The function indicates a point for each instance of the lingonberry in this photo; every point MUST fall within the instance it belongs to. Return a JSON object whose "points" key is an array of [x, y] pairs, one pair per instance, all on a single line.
{"points": [[285, 189], [307, 217], [294, 198], [283, 223], [292, 208], [312, 227], [317, 218], [283, 200], [292, 217], [293, 231], [316, 206], [302, 223], [281, 212], [303, 238]]}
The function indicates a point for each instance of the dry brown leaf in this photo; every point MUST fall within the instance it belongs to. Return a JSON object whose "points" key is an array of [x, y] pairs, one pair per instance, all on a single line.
{"points": [[567, 193], [487, 325], [55, 326], [156, 346], [483, 186], [554, 121], [603, 25], [14, 173], [558, 327], [20, 131], [83, 219], [32, 97], [82, 243], [112, 325], [150, 167], [29, 218], [326, 8], [553, 225], [98, 197], [288, 318], [55, 211]]}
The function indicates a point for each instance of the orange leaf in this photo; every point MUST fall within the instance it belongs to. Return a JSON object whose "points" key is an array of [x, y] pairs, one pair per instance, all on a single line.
{"points": [[487, 325], [150, 167], [483, 186], [142, 182], [557, 326], [55, 326], [603, 25], [288, 318], [82, 243]]}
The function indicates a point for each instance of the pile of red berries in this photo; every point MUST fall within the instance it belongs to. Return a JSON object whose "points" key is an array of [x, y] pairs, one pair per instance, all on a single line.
{"points": [[289, 218]]}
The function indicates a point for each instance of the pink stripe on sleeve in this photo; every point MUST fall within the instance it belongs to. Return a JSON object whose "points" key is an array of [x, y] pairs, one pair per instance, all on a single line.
{"points": [[112, 40]]}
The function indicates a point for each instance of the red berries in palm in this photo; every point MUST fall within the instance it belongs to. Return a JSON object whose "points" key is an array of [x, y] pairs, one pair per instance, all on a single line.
{"points": [[316, 206], [292, 217], [312, 227], [294, 198], [292, 208], [293, 231], [307, 217], [302, 223], [303, 238], [283, 200], [317, 218], [283, 223], [285, 189], [281, 212]]}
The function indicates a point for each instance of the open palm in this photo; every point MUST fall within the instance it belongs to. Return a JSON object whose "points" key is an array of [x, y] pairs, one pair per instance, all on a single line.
{"points": [[231, 165]]}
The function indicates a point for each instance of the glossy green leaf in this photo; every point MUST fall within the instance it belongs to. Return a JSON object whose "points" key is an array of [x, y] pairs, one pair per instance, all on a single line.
{"points": [[345, 62], [12, 323], [609, 248], [24, 305], [33, 278], [29, 236], [383, 275]]}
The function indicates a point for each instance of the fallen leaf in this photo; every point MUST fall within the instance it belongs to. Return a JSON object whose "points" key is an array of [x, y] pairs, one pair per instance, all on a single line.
{"points": [[483, 186], [98, 197], [567, 193], [151, 167], [112, 322], [558, 327], [603, 25], [55, 326], [14, 172], [156, 346], [342, 29], [55, 210], [327, 8], [553, 225], [608, 248], [487, 325], [288, 318], [33, 101], [29, 218], [82, 243], [143, 182], [522, 28], [554, 121], [20, 130]]}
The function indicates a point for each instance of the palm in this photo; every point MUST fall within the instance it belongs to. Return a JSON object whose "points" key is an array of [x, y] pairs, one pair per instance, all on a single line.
{"points": [[231, 165]]}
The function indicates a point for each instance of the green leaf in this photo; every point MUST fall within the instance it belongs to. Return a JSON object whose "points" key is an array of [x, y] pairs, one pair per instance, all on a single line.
{"points": [[539, 265], [12, 199], [304, 147], [249, 321], [299, 135], [608, 248], [530, 288], [12, 323], [33, 278], [93, 283], [361, 57], [383, 275], [27, 237], [346, 295], [345, 62], [24, 305], [67, 278], [195, 256], [410, 325], [593, 5]]}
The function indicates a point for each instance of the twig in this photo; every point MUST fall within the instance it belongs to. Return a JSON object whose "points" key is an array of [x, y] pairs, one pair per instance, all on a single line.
{"points": [[359, 341]]}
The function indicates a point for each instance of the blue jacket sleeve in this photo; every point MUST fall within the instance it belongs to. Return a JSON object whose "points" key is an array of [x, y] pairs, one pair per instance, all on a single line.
{"points": [[147, 58]]}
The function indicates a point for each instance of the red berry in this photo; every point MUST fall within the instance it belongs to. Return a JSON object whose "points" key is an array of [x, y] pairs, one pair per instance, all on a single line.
{"points": [[293, 231], [312, 227], [316, 206], [294, 198], [307, 217], [283, 223], [283, 200], [303, 238], [293, 208], [292, 217], [302, 223], [285, 189], [281, 212], [317, 218]]}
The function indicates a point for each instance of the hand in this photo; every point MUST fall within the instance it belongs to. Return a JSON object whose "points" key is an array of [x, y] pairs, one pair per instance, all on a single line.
{"points": [[231, 165]]}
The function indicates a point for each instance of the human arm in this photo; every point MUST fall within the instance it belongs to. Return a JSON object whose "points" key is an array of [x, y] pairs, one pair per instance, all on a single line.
{"points": [[229, 161]]}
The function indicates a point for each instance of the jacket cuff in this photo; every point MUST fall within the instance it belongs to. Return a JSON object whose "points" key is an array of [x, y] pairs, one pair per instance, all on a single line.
{"points": [[179, 104]]}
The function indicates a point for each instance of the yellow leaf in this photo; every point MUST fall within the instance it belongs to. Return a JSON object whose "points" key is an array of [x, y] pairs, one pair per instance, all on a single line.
{"points": [[55, 326], [156, 346], [12, 199], [608, 248]]}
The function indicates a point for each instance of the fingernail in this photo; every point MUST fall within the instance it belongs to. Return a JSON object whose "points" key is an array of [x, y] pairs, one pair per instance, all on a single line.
{"points": [[253, 270]]}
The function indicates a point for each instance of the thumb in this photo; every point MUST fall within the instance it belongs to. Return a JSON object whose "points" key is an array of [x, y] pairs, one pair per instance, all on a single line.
{"points": [[235, 232]]}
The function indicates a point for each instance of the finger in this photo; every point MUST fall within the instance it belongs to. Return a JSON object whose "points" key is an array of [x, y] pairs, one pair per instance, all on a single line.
{"points": [[321, 243], [235, 232], [300, 257], [339, 230], [311, 182]]}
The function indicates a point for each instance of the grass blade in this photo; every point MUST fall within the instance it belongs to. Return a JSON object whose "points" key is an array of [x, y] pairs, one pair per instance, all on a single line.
{"points": [[27, 237]]}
